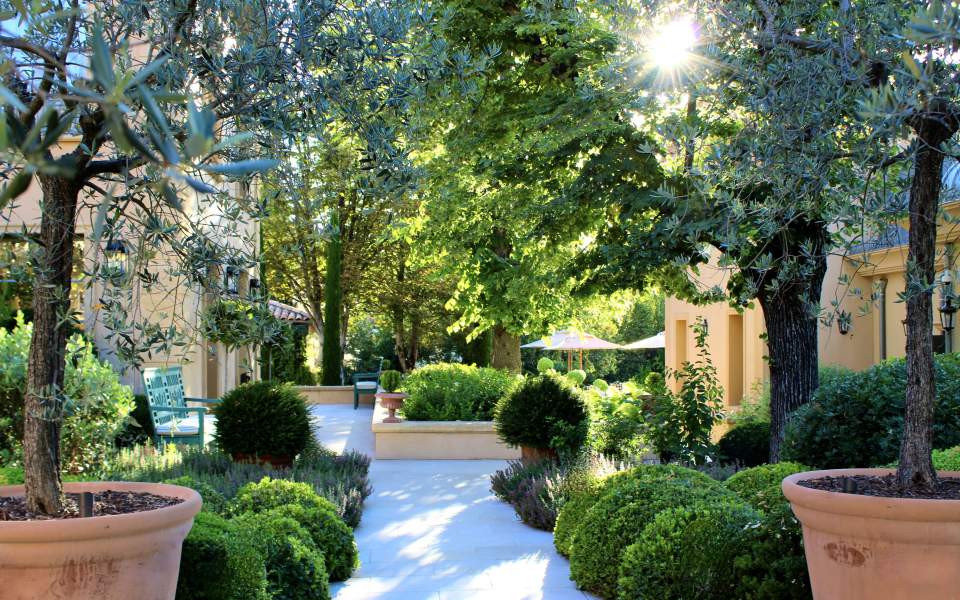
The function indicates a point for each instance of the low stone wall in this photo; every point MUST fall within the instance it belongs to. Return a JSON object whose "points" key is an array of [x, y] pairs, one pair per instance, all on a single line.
{"points": [[332, 394], [438, 440]]}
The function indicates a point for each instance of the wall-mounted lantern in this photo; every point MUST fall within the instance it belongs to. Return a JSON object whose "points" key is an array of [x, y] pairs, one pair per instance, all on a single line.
{"points": [[948, 306], [115, 255], [844, 321], [231, 279]]}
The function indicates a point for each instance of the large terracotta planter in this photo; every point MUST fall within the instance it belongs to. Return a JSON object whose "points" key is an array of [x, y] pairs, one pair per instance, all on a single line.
{"points": [[864, 547], [114, 557], [283, 461], [392, 401], [533, 454]]}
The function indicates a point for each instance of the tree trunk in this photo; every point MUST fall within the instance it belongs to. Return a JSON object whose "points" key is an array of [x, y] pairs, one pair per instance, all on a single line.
{"points": [[479, 352], [43, 402], [792, 348], [506, 350], [933, 128], [332, 360]]}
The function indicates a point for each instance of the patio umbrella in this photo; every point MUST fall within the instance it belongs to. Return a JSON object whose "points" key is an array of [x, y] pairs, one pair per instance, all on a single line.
{"points": [[572, 341], [655, 341]]}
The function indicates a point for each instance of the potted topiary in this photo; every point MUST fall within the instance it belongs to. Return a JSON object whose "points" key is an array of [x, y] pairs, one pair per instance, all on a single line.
{"points": [[884, 533], [263, 422], [390, 398], [544, 416]]}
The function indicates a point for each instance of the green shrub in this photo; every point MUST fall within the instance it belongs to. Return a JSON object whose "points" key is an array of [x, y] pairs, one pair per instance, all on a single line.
{"points": [[688, 552], [576, 376], [220, 561], [747, 444], [95, 411], [139, 427], [773, 564], [390, 381], [947, 460], [543, 412], [11, 476], [629, 501], [616, 420], [213, 501], [263, 418], [268, 494], [295, 566], [454, 392], [331, 536], [855, 419], [545, 364], [755, 485]]}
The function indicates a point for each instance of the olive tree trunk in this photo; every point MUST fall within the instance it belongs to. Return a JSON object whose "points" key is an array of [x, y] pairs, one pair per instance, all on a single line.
{"points": [[43, 401], [933, 128], [792, 324]]}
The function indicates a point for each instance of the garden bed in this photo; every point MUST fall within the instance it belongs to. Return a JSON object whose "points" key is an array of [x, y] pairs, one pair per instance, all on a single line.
{"points": [[441, 440], [332, 394]]}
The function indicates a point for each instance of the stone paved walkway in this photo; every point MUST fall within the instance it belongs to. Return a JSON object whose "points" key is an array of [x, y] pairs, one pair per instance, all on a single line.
{"points": [[433, 531]]}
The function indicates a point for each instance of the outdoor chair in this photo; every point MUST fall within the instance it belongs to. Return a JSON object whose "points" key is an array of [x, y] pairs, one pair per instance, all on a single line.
{"points": [[366, 383], [173, 420]]}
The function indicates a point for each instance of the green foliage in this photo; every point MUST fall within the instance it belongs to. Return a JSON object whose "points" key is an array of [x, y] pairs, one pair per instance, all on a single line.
{"points": [[95, 409], [628, 502], [329, 533], [213, 500], [268, 494], [390, 380], [295, 566], [545, 365], [263, 418], [760, 486], [341, 479], [284, 358], [747, 444], [221, 561], [617, 425], [531, 489], [688, 552], [332, 358], [543, 412], [947, 460], [576, 376], [455, 392], [680, 423], [571, 514], [238, 323], [856, 418]]}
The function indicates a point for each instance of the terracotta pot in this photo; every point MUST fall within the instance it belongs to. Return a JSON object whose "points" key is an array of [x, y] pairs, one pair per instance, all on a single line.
{"points": [[392, 401], [279, 460], [532, 454], [113, 557], [865, 547]]}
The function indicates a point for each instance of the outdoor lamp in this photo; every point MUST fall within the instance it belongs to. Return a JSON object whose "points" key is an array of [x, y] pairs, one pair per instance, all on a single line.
{"points": [[254, 284], [948, 308], [844, 322], [231, 279], [115, 254]]}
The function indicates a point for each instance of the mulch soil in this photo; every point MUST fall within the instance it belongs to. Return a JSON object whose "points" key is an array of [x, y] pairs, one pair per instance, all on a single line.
{"points": [[884, 486], [108, 502]]}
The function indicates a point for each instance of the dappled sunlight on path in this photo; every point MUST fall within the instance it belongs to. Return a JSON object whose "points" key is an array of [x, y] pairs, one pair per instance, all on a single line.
{"points": [[433, 531]]}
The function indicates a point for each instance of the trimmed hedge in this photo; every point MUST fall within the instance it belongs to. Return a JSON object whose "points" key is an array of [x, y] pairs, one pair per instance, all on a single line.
{"points": [[221, 561], [331, 536], [760, 486], [688, 552], [268, 494], [454, 392], [747, 444], [947, 460], [855, 419], [295, 566], [546, 411], [571, 515], [213, 501], [628, 503], [263, 418]]}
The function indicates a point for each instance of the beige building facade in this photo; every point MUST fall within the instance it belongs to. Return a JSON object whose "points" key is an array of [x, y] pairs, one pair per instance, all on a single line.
{"points": [[209, 369], [866, 285]]}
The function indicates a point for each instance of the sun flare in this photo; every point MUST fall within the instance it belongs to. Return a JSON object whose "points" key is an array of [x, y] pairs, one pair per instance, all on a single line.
{"points": [[671, 46]]}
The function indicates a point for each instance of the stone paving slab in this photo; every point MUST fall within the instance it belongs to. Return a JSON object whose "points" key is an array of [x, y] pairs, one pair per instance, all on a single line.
{"points": [[433, 531]]}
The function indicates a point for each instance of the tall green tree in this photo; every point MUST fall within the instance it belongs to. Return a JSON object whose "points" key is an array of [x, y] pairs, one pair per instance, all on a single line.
{"points": [[332, 360]]}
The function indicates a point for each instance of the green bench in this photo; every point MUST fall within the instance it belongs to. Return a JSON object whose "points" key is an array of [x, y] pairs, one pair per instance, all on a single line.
{"points": [[366, 383], [173, 421]]}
